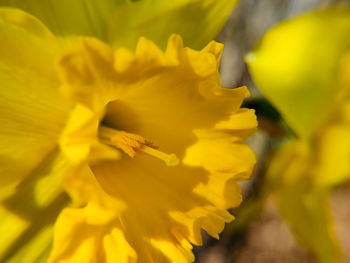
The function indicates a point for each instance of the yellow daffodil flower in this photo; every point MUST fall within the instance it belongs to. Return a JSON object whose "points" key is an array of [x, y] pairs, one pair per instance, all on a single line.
{"points": [[302, 66], [146, 143]]}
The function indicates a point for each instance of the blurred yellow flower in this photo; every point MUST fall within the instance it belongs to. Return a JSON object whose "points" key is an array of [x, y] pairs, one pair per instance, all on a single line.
{"points": [[310, 87], [148, 145]]}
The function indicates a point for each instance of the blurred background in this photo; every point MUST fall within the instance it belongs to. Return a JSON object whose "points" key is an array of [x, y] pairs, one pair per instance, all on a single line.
{"points": [[259, 234]]}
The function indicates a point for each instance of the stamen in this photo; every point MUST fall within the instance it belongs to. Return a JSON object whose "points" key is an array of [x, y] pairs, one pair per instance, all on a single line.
{"points": [[169, 159], [131, 144]]}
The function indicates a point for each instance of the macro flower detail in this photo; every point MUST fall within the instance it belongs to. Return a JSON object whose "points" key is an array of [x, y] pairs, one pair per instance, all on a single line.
{"points": [[152, 144]]}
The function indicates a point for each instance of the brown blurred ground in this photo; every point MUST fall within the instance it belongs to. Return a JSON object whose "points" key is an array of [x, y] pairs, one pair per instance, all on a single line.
{"points": [[268, 239], [340, 202]]}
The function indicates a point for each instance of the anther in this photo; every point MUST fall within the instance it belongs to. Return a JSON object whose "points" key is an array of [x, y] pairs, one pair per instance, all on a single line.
{"points": [[131, 144]]}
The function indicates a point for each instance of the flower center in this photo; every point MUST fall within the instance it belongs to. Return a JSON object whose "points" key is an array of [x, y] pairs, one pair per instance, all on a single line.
{"points": [[131, 144]]}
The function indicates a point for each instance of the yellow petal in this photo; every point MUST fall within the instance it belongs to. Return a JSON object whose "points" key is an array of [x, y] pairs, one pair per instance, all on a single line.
{"points": [[74, 241], [117, 249], [334, 152], [28, 214], [171, 252], [67, 18], [80, 131], [153, 179], [78, 241], [299, 79], [32, 110], [220, 154], [86, 73], [36, 248], [243, 123], [11, 227], [157, 20]]}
